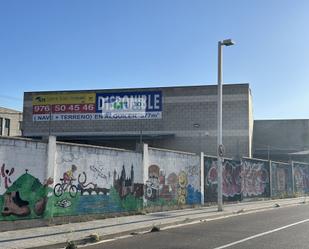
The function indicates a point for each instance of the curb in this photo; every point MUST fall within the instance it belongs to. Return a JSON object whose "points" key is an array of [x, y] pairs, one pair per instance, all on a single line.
{"points": [[147, 229]]}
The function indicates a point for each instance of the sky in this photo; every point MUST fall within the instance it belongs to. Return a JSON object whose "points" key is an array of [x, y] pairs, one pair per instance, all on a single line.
{"points": [[79, 45]]}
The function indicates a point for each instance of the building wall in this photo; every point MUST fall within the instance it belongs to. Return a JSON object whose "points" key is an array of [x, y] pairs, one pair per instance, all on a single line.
{"points": [[189, 121], [277, 138], [14, 117], [251, 123]]}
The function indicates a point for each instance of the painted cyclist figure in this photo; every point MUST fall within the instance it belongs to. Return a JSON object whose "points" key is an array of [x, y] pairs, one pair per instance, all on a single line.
{"points": [[69, 175]]}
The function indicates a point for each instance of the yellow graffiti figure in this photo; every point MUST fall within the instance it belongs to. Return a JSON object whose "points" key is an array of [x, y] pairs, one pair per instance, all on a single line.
{"points": [[182, 190], [182, 179]]}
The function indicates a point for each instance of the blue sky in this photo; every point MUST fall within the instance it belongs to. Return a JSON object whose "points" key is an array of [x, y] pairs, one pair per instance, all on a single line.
{"points": [[64, 44]]}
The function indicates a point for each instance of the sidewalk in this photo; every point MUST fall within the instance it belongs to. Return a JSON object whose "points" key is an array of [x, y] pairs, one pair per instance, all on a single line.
{"points": [[57, 236]]}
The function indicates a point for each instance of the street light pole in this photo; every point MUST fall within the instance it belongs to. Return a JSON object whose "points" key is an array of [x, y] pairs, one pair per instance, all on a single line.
{"points": [[220, 148]]}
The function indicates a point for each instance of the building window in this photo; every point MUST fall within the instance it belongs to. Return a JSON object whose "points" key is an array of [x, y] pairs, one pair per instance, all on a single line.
{"points": [[7, 127], [1, 126]]}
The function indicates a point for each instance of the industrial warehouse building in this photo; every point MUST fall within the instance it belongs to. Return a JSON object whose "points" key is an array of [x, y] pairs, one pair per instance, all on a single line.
{"points": [[177, 118], [281, 140]]}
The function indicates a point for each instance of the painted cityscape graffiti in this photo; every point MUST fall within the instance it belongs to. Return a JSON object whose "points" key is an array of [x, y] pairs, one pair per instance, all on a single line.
{"points": [[254, 178], [95, 195], [125, 185]]}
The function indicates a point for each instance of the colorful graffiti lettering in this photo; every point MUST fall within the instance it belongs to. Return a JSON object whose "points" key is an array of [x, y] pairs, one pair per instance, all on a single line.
{"points": [[301, 178], [281, 179], [254, 177], [231, 181]]}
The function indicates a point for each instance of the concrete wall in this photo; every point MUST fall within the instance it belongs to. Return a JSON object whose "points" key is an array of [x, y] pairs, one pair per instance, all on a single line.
{"points": [[241, 179], [23, 178], [189, 122], [281, 179], [301, 178], [107, 180], [40, 180], [174, 178], [231, 181], [55, 179]]}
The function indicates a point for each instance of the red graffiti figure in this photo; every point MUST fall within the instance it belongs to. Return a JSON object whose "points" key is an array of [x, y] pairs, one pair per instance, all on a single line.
{"points": [[5, 173]]}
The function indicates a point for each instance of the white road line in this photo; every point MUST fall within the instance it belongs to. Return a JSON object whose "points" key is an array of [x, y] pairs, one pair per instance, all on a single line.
{"points": [[261, 234]]}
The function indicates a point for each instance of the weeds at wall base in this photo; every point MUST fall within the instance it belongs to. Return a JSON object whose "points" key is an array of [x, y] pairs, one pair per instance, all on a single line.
{"points": [[71, 245]]}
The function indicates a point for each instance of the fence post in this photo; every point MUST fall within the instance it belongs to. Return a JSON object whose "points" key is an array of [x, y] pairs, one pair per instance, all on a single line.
{"points": [[270, 180], [202, 178], [51, 164], [145, 170], [293, 187]]}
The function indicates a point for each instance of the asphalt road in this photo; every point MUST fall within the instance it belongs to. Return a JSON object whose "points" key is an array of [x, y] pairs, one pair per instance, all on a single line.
{"points": [[278, 228]]}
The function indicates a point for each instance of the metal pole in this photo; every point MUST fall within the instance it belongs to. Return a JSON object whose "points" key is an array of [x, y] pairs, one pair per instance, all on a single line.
{"points": [[219, 128], [49, 121], [141, 135]]}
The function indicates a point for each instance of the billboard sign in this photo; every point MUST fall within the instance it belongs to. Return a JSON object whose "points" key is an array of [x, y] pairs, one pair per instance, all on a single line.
{"points": [[130, 105], [97, 106]]}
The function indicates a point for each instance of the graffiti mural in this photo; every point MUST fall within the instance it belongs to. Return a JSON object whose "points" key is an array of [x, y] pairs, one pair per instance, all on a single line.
{"points": [[89, 187], [97, 181], [125, 185], [64, 203], [26, 197], [301, 178], [160, 186], [173, 179], [255, 178], [182, 189], [231, 179], [281, 179], [5, 174], [92, 180]]}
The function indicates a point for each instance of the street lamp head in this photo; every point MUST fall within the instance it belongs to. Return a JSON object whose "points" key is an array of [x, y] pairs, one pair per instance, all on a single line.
{"points": [[228, 42]]}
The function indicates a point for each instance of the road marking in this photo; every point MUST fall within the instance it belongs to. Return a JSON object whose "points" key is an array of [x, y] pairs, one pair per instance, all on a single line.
{"points": [[261, 234]]}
